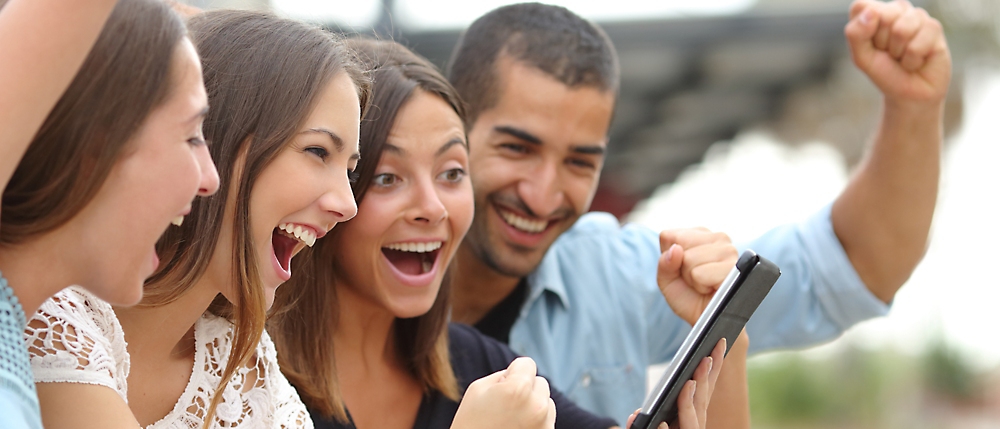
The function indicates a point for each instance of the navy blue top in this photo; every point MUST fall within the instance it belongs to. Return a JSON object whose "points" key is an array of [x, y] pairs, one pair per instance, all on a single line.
{"points": [[473, 356]]}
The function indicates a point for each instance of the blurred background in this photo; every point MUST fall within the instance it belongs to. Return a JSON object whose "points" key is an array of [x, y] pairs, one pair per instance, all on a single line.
{"points": [[718, 92]]}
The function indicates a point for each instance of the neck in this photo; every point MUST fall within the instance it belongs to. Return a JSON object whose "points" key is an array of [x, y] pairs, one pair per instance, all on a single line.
{"points": [[476, 287], [36, 270], [166, 331], [363, 336]]}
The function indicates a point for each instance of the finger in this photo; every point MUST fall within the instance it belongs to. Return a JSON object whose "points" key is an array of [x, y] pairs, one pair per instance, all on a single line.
{"points": [[718, 360], [707, 278], [888, 14], [488, 380], [860, 33], [903, 31], [721, 251], [703, 394], [540, 388], [631, 419], [922, 45], [857, 7], [550, 416], [521, 369], [668, 268], [687, 416], [685, 237]]}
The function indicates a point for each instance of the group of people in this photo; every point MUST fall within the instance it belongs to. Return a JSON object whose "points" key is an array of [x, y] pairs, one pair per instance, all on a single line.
{"points": [[163, 175]]}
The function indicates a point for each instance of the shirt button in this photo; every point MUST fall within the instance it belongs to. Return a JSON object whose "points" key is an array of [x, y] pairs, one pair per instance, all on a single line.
{"points": [[585, 381]]}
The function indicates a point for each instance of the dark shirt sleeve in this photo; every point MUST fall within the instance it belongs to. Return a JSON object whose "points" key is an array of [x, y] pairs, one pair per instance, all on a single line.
{"points": [[474, 355]]}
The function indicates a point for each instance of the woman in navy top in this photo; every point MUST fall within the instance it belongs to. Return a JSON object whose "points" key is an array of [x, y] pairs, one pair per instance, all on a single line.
{"points": [[362, 326]]}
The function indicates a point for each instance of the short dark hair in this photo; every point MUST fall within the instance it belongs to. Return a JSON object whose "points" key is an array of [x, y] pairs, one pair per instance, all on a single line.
{"points": [[550, 38]]}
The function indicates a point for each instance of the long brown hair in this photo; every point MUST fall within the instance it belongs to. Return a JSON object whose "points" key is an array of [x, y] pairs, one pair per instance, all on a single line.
{"points": [[306, 316], [263, 75], [125, 77]]}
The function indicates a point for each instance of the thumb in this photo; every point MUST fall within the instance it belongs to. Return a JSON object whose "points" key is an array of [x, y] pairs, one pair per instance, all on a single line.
{"points": [[860, 33], [669, 267], [522, 367]]}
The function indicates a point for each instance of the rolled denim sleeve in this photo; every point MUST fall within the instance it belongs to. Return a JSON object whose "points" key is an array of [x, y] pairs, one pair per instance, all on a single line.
{"points": [[819, 294]]}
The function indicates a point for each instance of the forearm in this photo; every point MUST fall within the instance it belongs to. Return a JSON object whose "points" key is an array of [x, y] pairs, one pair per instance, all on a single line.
{"points": [[883, 217], [730, 404], [43, 43]]}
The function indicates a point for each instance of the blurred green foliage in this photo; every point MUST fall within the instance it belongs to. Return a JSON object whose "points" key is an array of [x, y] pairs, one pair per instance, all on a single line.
{"points": [[859, 388]]}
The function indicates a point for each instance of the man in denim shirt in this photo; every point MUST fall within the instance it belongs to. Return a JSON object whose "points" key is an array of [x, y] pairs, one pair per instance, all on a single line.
{"points": [[580, 293]]}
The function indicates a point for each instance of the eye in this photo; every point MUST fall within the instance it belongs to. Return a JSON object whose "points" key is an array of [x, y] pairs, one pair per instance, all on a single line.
{"points": [[196, 141], [514, 148], [352, 176], [385, 179], [319, 151], [454, 175], [582, 163]]}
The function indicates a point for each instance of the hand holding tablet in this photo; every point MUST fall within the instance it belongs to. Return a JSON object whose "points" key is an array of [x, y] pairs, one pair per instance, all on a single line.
{"points": [[724, 318]]}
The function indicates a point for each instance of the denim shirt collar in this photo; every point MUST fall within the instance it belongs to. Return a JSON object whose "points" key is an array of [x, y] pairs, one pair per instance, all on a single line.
{"points": [[547, 278]]}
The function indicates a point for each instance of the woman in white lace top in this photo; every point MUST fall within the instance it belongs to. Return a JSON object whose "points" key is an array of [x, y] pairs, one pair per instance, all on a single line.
{"points": [[286, 101], [97, 154]]}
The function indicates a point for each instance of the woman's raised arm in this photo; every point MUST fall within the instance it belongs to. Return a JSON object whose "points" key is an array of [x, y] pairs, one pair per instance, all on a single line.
{"points": [[42, 43]]}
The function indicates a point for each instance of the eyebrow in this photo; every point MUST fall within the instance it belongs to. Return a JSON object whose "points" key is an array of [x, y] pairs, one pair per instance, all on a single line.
{"points": [[444, 148], [531, 138], [518, 133], [201, 114], [337, 141]]}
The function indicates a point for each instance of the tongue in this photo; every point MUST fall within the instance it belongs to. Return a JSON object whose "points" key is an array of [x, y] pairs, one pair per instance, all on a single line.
{"points": [[283, 247], [406, 262]]}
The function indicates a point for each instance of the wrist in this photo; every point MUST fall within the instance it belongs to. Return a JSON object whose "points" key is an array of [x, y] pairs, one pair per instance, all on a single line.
{"points": [[910, 110]]}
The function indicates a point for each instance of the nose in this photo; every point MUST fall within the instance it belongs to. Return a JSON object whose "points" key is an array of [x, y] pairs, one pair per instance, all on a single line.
{"points": [[427, 206], [209, 175], [339, 201], [540, 189]]}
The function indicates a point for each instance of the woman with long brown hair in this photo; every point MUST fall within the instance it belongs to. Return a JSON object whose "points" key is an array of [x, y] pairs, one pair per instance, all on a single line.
{"points": [[286, 103], [362, 329], [96, 159]]}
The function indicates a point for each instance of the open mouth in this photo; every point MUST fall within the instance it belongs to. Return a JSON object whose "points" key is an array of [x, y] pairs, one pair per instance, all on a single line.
{"points": [[287, 240], [412, 259]]}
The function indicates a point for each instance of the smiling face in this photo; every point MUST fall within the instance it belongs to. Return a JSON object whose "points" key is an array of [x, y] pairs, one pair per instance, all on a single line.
{"points": [[303, 192], [535, 160], [414, 214], [163, 167]]}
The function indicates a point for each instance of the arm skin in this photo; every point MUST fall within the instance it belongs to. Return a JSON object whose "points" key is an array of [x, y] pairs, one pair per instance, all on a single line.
{"points": [[43, 44], [883, 217], [83, 406]]}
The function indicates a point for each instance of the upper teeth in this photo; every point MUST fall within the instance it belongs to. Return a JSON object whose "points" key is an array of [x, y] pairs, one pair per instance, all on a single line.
{"points": [[178, 220], [305, 235], [524, 224], [415, 247]]}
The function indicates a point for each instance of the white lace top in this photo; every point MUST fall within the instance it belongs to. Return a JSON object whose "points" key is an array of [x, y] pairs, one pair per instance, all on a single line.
{"points": [[76, 338]]}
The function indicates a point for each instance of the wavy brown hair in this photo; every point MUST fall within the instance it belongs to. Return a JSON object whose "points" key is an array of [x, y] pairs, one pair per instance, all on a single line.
{"points": [[306, 318], [263, 75], [126, 75]]}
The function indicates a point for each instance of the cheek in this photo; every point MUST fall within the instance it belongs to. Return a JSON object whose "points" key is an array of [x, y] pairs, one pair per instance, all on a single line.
{"points": [[461, 209]]}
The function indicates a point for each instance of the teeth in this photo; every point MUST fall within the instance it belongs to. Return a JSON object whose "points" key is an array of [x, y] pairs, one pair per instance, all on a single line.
{"points": [[304, 235], [524, 224], [426, 264], [178, 220], [415, 247]]}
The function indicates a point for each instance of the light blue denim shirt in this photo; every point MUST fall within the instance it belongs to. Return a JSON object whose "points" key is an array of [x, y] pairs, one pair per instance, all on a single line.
{"points": [[595, 319]]}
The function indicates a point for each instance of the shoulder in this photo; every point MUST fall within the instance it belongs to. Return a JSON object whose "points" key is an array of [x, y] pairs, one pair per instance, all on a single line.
{"points": [[602, 233], [75, 337]]}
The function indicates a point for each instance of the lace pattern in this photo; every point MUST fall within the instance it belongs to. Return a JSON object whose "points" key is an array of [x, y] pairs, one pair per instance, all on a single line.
{"points": [[76, 338]]}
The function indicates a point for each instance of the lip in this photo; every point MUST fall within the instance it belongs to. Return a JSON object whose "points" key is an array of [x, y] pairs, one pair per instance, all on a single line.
{"points": [[282, 274], [517, 236], [420, 280]]}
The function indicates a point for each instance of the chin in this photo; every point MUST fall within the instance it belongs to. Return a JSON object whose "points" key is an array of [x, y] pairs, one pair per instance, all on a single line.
{"points": [[124, 294]]}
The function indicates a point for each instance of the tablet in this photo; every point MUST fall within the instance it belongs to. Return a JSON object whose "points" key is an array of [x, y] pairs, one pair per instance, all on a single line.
{"points": [[725, 316]]}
